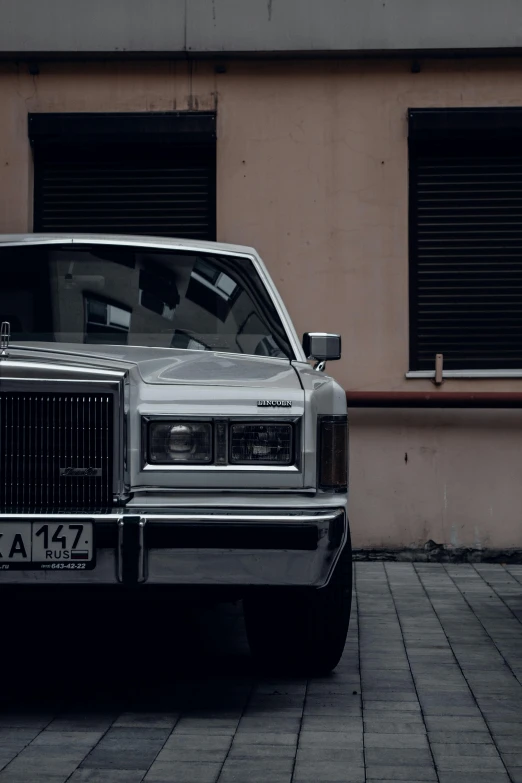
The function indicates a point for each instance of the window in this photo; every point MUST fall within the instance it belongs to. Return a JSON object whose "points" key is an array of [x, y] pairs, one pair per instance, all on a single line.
{"points": [[104, 318], [466, 238], [125, 173]]}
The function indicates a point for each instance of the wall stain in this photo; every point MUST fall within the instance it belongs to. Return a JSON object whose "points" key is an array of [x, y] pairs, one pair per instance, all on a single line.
{"points": [[270, 10]]}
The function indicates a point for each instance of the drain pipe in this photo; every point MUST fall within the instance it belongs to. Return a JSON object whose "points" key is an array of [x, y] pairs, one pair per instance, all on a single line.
{"points": [[399, 399]]}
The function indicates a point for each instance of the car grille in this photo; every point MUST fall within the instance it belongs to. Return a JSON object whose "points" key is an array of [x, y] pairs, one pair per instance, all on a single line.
{"points": [[56, 451]]}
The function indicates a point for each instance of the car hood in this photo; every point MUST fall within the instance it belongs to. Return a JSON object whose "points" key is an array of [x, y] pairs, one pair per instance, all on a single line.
{"points": [[169, 365]]}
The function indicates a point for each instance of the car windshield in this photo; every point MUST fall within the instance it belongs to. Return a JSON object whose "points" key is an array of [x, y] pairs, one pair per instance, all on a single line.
{"points": [[126, 295]]}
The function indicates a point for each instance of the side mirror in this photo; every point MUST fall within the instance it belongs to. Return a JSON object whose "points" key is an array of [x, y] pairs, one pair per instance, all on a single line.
{"points": [[322, 347]]}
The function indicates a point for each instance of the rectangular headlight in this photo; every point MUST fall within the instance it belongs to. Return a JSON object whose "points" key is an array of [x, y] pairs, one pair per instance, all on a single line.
{"points": [[178, 442], [333, 453], [262, 444]]}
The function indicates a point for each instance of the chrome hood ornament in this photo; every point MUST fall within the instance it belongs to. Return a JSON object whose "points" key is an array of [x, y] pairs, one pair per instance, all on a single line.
{"points": [[5, 337]]}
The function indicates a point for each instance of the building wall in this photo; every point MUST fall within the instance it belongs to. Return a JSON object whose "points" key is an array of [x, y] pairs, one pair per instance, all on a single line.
{"points": [[313, 171]]}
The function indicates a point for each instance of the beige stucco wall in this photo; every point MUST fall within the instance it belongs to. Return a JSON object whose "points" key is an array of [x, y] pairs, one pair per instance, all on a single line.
{"points": [[312, 171]]}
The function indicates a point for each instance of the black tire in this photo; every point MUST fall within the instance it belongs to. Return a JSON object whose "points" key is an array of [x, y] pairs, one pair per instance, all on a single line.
{"points": [[301, 631]]}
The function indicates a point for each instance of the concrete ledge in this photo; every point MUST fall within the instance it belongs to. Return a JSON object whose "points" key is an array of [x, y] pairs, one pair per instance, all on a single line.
{"points": [[120, 27], [438, 553]]}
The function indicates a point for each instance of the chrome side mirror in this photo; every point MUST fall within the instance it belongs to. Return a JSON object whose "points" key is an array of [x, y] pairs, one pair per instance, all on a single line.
{"points": [[322, 347]]}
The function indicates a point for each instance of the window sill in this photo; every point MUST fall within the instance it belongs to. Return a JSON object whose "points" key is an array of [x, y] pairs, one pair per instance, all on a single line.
{"points": [[463, 374]]}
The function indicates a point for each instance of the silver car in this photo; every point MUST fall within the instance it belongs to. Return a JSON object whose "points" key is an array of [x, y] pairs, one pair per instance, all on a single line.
{"points": [[162, 433]]}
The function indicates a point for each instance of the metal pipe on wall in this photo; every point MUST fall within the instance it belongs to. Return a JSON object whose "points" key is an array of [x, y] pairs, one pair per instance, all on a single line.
{"points": [[392, 399]]}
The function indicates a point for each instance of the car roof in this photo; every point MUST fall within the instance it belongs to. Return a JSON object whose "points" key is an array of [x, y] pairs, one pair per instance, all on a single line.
{"points": [[127, 239]]}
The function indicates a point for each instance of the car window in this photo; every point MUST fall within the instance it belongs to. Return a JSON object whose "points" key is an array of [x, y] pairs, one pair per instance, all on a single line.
{"points": [[103, 294]]}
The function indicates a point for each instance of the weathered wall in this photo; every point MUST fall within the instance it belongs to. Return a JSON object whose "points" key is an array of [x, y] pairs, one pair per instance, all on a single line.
{"points": [[312, 170]]}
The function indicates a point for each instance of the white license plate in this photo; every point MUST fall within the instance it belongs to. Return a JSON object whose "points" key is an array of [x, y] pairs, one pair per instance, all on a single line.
{"points": [[45, 544]]}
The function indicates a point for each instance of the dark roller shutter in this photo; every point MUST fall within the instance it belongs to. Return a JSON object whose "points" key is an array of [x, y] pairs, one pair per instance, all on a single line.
{"points": [[466, 239], [128, 174]]}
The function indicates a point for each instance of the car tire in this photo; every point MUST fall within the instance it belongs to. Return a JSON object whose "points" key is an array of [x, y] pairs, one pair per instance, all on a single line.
{"points": [[301, 631]]}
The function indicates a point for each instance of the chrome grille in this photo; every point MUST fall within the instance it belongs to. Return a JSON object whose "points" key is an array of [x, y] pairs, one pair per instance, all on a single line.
{"points": [[56, 450]]}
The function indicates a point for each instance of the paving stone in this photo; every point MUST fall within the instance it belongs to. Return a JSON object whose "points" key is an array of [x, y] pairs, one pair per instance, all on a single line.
{"points": [[129, 736], [403, 699], [273, 770], [107, 776], [17, 720], [18, 735], [13, 746], [119, 759], [206, 726], [473, 777], [330, 739], [269, 723], [333, 709], [395, 741], [391, 684], [295, 687], [262, 752], [346, 700], [386, 663], [510, 743], [32, 764], [192, 755], [411, 757], [371, 707], [451, 704], [331, 723], [152, 720], [395, 717], [374, 696], [512, 760], [326, 772], [6, 756], [334, 687], [127, 749], [462, 737], [82, 722], [455, 724], [70, 739], [442, 751], [407, 774], [10, 775], [207, 742], [183, 772], [276, 701], [265, 738], [452, 763], [377, 726], [266, 712], [397, 679], [505, 728], [351, 755]]}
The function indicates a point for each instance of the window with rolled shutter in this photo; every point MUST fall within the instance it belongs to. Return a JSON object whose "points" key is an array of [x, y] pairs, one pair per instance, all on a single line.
{"points": [[466, 238], [149, 174]]}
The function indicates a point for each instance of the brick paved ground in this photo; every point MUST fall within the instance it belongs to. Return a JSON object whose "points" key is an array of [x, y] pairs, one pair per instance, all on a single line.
{"points": [[429, 689]]}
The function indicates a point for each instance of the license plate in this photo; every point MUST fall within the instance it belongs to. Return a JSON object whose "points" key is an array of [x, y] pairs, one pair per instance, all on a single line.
{"points": [[46, 545]]}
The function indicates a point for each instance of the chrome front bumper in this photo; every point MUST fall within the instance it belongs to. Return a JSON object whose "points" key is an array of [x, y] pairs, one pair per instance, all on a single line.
{"points": [[182, 546]]}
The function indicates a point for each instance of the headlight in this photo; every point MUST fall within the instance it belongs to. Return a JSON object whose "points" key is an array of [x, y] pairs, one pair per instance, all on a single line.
{"points": [[180, 441], [261, 444], [333, 453]]}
